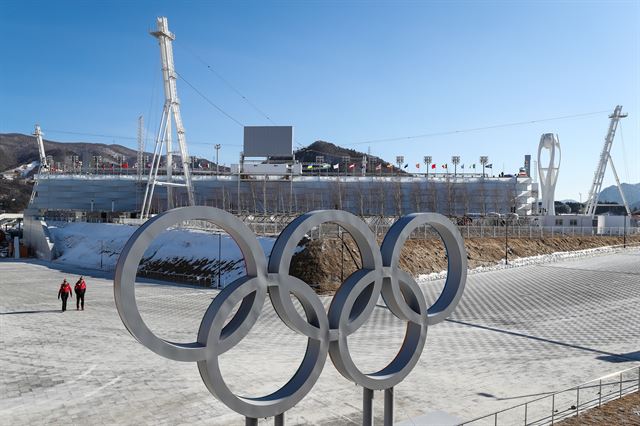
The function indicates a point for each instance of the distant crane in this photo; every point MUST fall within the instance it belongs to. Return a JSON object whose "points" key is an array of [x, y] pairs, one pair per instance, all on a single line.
{"points": [[164, 137], [605, 157]]}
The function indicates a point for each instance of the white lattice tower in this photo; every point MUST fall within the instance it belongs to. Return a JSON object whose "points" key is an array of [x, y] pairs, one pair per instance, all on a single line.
{"points": [[164, 138], [44, 166], [605, 157]]}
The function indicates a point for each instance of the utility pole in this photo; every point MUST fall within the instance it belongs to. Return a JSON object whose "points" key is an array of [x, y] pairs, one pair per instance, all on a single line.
{"points": [[170, 110]]}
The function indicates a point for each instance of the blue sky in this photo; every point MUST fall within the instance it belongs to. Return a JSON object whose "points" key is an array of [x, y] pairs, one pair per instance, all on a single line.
{"points": [[345, 72]]}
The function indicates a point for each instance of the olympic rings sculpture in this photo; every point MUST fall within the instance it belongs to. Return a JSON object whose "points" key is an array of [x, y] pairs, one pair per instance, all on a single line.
{"points": [[326, 332]]}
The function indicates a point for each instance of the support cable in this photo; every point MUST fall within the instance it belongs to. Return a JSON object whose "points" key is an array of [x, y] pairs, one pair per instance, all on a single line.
{"points": [[476, 129], [209, 101], [227, 83]]}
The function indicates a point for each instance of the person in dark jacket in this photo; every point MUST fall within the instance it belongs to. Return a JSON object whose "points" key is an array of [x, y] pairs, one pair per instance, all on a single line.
{"points": [[80, 288], [65, 292]]}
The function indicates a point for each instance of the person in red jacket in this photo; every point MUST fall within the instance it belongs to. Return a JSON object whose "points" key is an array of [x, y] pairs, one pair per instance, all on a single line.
{"points": [[65, 292], [80, 288]]}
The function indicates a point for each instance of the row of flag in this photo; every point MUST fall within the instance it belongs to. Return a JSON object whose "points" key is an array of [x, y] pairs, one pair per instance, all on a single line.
{"points": [[388, 166]]}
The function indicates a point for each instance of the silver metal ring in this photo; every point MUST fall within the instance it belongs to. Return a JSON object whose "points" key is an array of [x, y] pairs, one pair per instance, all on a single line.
{"points": [[327, 333]]}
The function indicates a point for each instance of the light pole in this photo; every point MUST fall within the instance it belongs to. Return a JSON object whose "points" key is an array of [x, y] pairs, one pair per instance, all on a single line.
{"points": [[399, 162], [624, 235], [217, 147], [427, 162], [319, 163], [455, 160], [506, 240], [483, 160], [345, 160]]}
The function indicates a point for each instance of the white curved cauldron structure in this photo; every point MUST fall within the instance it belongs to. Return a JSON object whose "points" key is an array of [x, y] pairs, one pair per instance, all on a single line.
{"points": [[549, 174]]}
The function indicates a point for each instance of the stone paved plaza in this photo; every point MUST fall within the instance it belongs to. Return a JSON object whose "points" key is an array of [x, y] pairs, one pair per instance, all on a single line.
{"points": [[517, 333]]}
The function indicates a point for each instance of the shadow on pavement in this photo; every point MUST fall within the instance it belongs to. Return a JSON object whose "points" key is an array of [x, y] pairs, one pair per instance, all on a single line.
{"points": [[629, 356], [31, 312]]}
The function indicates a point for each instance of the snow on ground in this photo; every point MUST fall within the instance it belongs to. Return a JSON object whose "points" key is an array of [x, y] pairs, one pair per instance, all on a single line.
{"points": [[21, 171], [98, 246]]}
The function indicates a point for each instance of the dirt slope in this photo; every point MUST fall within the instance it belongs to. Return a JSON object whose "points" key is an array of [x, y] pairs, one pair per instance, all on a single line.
{"points": [[325, 263]]}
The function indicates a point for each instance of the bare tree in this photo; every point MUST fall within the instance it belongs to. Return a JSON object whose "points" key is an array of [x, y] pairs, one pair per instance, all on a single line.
{"points": [[450, 200], [416, 196], [397, 196]]}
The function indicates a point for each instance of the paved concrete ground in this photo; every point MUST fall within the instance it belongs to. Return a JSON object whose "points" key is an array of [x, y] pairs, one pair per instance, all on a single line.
{"points": [[516, 334]]}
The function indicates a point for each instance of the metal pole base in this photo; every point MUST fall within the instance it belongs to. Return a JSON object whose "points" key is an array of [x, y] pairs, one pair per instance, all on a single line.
{"points": [[367, 407], [388, 407], [279, 420]]}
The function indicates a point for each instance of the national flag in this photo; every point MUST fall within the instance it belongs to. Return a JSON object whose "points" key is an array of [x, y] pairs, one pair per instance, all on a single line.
{"points": [[417, 165], [444, 166], [352, 166], [310, 166], [462, 166], [336, 166], [326, 166], [489, 166], [379, 167], [433, 166], [125, 165]]}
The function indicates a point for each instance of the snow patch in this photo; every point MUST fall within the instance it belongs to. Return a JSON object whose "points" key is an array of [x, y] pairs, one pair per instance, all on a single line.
{"points": [[20, 171], [98, 246]]}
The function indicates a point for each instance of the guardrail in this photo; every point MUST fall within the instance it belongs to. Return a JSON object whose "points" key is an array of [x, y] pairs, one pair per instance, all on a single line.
{"points": [[557, 406], [274, 228]]}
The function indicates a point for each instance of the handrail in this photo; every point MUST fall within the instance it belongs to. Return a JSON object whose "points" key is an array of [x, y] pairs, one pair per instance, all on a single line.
{"points": [[574, 409]]}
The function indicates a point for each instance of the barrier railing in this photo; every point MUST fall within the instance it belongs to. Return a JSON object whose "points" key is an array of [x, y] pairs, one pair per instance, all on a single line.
{"points": [[380, 228], [557, 406]]}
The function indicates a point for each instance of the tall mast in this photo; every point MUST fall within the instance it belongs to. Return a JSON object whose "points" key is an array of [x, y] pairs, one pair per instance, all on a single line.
{"points": [[170, 110], [605, 157], [139, 160], [43, 157]]}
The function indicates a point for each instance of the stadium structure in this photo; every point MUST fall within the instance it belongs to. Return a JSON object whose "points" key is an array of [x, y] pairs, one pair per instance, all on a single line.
{"points": [[268, 180]]}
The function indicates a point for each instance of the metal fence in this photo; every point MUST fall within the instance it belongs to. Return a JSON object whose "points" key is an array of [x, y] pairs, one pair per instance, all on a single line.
{"points": [[558, 406], [273, 226], [208, 280]]}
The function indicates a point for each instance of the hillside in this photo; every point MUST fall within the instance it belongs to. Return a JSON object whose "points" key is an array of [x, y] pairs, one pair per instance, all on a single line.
{"points": [[17, 149], [631, 192], [333, 154]]}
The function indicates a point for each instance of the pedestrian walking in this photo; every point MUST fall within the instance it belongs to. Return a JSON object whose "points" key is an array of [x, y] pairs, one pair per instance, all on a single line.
{"points": [[65, 292], [80, 288]]}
